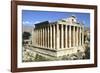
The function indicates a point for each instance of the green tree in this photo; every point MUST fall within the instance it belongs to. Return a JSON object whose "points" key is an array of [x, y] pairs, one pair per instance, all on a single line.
{"points": [[26, 35]]}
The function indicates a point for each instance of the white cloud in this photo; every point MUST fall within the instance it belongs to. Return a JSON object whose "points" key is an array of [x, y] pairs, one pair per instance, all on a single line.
{"points": [[30, 23], [26, 22]]}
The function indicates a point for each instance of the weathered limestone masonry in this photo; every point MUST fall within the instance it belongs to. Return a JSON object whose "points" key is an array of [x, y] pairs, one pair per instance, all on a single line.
{"points": [[59, 38]]}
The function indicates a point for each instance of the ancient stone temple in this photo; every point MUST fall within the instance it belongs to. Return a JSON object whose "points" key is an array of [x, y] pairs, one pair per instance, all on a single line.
{"points": [[58, 38]]}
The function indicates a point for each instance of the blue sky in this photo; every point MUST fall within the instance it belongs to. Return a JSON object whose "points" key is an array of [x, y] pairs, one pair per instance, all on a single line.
{"points": [[30, 17]]}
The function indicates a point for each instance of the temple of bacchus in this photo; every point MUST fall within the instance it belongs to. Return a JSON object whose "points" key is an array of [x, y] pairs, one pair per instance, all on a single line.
{"points": [[62, 37]]}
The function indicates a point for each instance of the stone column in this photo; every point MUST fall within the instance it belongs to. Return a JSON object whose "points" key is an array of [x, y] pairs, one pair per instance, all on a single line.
{"points": [[36, 37], [45, 42], [43, 36], [54, 36], [69, 36], [57, 38], [39, 37], [50, 36], [62, 40], [80, 36], [73, 36], [66, 36], [77, 37]]}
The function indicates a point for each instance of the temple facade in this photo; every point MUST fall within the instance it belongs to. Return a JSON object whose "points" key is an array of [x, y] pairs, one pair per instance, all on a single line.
{"points": [[55, 39]]}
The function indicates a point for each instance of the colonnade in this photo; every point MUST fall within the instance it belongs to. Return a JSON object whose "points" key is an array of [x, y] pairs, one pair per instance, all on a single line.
{"points": [[59, 36]]}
